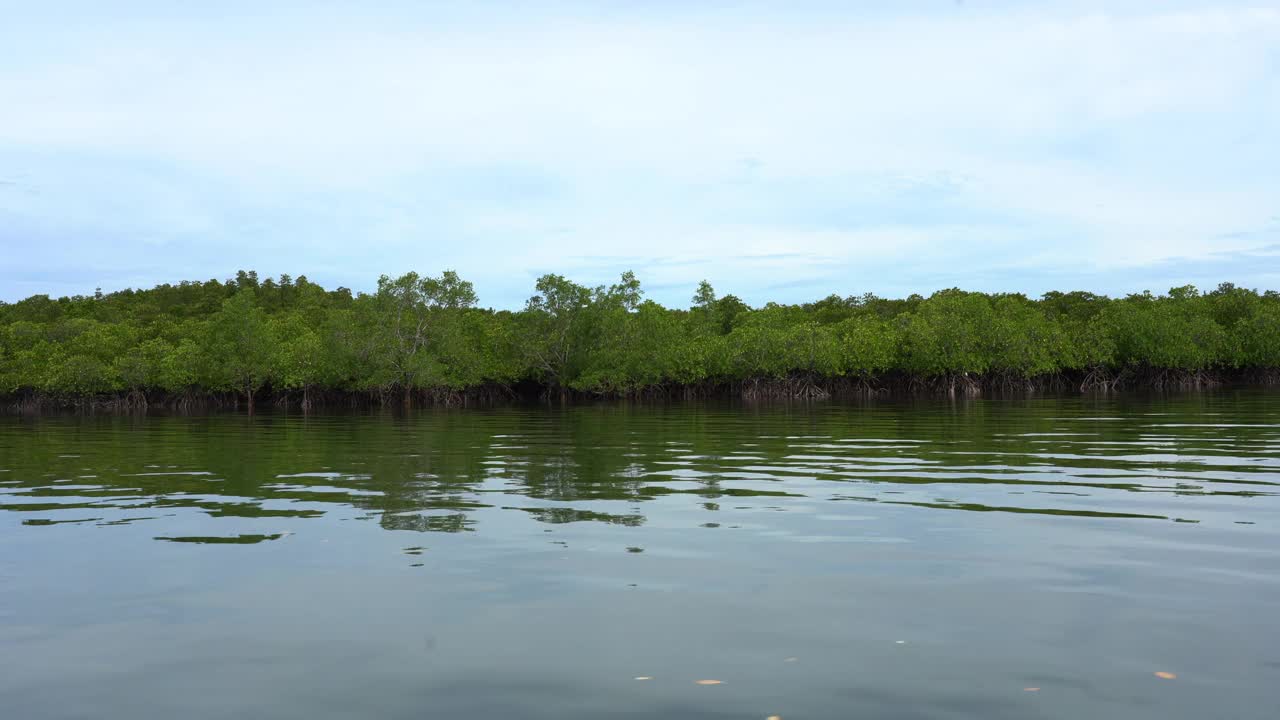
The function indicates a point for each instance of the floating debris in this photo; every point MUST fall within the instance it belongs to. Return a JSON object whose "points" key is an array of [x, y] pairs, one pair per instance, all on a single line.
{"points": [[790, 659], [643, 677], [709, 682], [1166, 675], [1030, 689]]}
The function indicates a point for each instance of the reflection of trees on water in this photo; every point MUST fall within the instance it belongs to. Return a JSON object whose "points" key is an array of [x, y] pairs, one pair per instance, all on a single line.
{"points": [[561, 515], [433, 471], [453, 522]]}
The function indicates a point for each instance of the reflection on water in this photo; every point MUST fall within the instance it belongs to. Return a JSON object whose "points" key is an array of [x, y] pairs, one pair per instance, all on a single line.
{"points": [[435, 472], [560, 554]]}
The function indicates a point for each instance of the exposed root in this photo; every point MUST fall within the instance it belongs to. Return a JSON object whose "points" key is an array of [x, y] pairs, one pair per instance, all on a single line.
{"points": [[799, 386], [1167, 379], [952, 385], [1263, 376], [802, 387], [1099, 380]]}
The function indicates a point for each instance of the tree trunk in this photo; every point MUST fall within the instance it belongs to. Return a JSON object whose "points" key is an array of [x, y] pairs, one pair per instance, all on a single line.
{"points": [[248, 398], [408, 397]]}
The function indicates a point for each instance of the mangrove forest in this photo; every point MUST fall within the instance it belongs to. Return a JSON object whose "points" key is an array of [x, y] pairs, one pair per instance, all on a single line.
{"points": [[418, 339]]}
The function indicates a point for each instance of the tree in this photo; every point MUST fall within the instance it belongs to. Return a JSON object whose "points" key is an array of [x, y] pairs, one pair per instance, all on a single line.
{"points": [[301, 360], [704, 297], [418, 316], [947, 335], [418, 334], [243, 345], [556, 329]]}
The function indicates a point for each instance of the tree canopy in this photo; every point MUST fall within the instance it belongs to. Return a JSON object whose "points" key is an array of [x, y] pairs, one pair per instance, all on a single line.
{"points": [[426, 336]]}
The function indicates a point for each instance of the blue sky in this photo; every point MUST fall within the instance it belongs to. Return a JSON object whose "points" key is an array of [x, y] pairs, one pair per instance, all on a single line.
{"points": [[781, 154]]}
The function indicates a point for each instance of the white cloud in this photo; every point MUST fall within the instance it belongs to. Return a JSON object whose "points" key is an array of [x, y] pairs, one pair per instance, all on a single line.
{"points": [[1110, 140]]}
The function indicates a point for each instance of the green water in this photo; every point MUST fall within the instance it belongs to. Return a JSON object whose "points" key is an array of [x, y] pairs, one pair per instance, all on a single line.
{"points": [[882, 560]]}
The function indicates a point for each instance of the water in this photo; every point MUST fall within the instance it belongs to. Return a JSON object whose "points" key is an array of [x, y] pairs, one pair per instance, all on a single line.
{"points": [[922, 560]]}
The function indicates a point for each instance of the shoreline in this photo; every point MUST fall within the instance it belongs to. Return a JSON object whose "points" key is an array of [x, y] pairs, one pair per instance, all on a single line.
{"points": [[798, 388]]}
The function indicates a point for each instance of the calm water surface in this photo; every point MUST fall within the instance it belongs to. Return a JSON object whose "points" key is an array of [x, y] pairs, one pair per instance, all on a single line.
{"points": [[925, 560]]}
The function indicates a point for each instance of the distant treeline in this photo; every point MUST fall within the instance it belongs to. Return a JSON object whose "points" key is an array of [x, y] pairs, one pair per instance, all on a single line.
{"points": [[423, 339]]}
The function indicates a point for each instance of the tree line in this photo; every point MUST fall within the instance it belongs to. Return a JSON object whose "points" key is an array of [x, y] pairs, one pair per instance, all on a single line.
{"points": [[425, 339]]}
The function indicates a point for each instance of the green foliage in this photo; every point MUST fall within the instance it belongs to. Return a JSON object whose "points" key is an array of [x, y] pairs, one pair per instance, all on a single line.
{"points": [[777, 341], [1023, 341], [300, 360], [1176, 332], [425, 334], [417, 331], [951, 333], [1257, 337], [558, 327], [242, 345], [869, 345]]}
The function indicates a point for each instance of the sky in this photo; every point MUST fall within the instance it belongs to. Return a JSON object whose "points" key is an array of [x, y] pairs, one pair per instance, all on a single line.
{"points": [[782, 151]]}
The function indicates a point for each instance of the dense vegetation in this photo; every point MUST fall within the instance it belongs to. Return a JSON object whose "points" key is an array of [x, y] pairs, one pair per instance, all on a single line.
{"points": [[421, 339]]}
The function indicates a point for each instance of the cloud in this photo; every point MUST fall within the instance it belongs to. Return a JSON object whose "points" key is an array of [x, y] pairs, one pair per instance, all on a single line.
{"points": [[868, 148]]}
